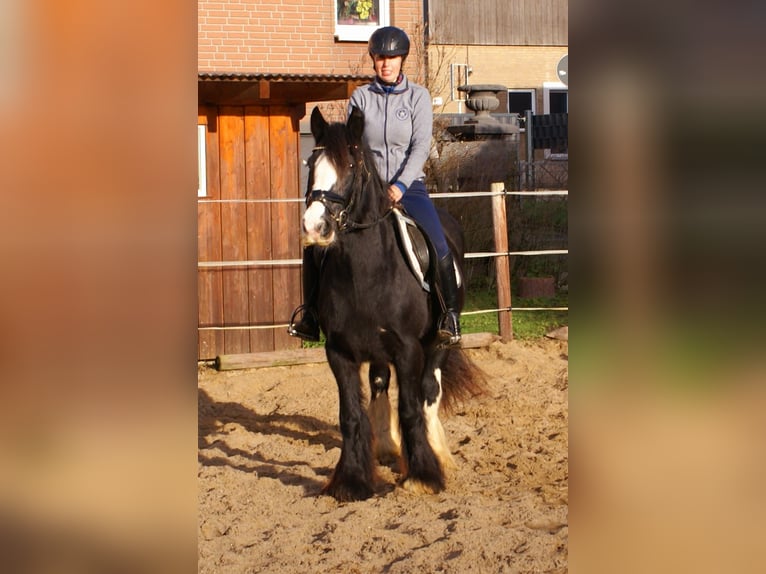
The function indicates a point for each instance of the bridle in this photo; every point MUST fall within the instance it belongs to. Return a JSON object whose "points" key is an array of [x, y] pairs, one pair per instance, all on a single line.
{"points": [[331, 200]]}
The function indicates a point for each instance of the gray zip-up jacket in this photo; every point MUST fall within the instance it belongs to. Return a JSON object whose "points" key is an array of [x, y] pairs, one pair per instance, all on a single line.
{"points": [[398, 124]]}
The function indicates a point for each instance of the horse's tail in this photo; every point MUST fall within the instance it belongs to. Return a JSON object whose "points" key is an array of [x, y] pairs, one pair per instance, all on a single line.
{"points": [[461, 379]]}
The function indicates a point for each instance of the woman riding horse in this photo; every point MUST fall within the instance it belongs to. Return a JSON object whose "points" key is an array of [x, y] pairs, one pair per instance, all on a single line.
{"points": [[398, 130], [375, 312]]}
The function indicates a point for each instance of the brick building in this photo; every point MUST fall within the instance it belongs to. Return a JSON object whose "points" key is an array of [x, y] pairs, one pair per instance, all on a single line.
{"points": [[263, 65]]}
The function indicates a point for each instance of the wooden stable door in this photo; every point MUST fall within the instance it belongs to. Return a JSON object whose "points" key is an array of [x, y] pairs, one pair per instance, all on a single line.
{"points": [[252, 153]]}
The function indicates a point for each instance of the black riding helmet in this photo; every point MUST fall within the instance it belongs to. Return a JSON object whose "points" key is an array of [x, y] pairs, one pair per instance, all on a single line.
{"points": [[389, 41]]}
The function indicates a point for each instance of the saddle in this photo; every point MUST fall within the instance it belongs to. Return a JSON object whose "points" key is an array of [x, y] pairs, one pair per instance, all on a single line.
{"points": [[417, 249]]}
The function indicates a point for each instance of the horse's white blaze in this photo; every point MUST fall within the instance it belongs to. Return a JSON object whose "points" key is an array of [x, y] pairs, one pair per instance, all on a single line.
{"points": [[437, 438], [324, 174], [312, 222], [325, 178]]}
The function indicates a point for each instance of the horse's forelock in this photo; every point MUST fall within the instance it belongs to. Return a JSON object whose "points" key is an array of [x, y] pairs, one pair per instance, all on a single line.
{"points": [[335, 146], [353, 162]]}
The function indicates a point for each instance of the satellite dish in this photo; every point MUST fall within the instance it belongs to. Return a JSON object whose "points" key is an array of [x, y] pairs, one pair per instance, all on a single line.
{"points": [[562, 69]]}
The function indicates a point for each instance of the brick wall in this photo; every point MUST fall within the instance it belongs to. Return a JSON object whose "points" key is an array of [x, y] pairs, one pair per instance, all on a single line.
{"points": [[282, 36]]}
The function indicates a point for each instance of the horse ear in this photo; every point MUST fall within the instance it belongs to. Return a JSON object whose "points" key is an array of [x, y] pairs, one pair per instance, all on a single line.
{"points": [[318, 124], [355, 124]]}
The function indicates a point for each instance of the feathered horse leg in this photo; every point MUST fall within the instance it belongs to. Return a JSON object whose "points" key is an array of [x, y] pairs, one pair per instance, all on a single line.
{"points": [[353, 478]]}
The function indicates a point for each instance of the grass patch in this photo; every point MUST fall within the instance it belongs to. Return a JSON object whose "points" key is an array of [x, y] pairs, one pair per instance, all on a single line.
{"points": [[526, 324]]}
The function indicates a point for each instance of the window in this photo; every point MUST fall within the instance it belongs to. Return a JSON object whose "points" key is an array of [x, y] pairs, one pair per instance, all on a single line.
{"points": [[201, 162], [519, 101], [356, 20], [556, 101]]}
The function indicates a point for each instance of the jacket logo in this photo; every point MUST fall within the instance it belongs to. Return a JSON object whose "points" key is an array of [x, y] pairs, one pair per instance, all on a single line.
{"points": [[402, 114]]}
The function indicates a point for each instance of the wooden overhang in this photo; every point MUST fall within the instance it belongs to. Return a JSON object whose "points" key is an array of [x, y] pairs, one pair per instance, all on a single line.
{"points": [[243, 89]]}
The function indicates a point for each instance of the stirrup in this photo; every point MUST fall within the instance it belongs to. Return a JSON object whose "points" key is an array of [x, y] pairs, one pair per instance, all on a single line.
{"points": [[448, 332], [308, 328]]}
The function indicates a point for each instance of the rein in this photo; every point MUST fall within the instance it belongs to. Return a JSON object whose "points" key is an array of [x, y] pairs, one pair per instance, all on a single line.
{"points": [[327, 198]]}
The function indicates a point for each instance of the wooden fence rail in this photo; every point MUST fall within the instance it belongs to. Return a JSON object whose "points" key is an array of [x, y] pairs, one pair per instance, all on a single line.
{"points": [[498, 195]]}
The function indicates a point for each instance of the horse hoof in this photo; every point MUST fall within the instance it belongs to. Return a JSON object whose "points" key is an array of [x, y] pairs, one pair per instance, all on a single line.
{"points": [[348, 492], [387, 453], [416, 486]]}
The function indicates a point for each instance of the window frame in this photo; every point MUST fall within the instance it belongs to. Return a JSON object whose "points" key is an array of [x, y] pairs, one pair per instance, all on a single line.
{"points": [[533, 96], [548, 89], [201, 160], [361, 32]]}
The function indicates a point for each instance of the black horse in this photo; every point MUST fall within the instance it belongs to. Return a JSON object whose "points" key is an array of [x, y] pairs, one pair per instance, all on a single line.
{"points": [[375, 313]]}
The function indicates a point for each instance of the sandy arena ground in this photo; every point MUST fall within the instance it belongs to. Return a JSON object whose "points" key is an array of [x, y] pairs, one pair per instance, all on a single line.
{"points": [[269, 440]]}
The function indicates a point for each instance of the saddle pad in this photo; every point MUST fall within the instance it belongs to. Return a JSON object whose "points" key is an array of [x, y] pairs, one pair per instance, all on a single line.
{"points": [[414, 247]]}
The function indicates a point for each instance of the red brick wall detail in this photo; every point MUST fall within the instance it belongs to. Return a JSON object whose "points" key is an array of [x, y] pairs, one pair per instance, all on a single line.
{"points": [[284, 37]]}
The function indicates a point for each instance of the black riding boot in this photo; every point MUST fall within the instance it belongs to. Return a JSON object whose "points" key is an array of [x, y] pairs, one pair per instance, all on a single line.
{"points": [[448, 328], [308, 327]]}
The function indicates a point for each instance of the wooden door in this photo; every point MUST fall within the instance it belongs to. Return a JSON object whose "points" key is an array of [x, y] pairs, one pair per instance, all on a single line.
{"points": [[252, 157]]}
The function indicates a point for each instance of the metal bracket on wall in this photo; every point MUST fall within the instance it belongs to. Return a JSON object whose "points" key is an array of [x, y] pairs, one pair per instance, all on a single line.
{"points": [[458, 76]]}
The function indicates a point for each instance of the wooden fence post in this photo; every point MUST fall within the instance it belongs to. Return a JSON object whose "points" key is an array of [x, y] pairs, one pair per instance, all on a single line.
{"points": [[502, 263]]}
